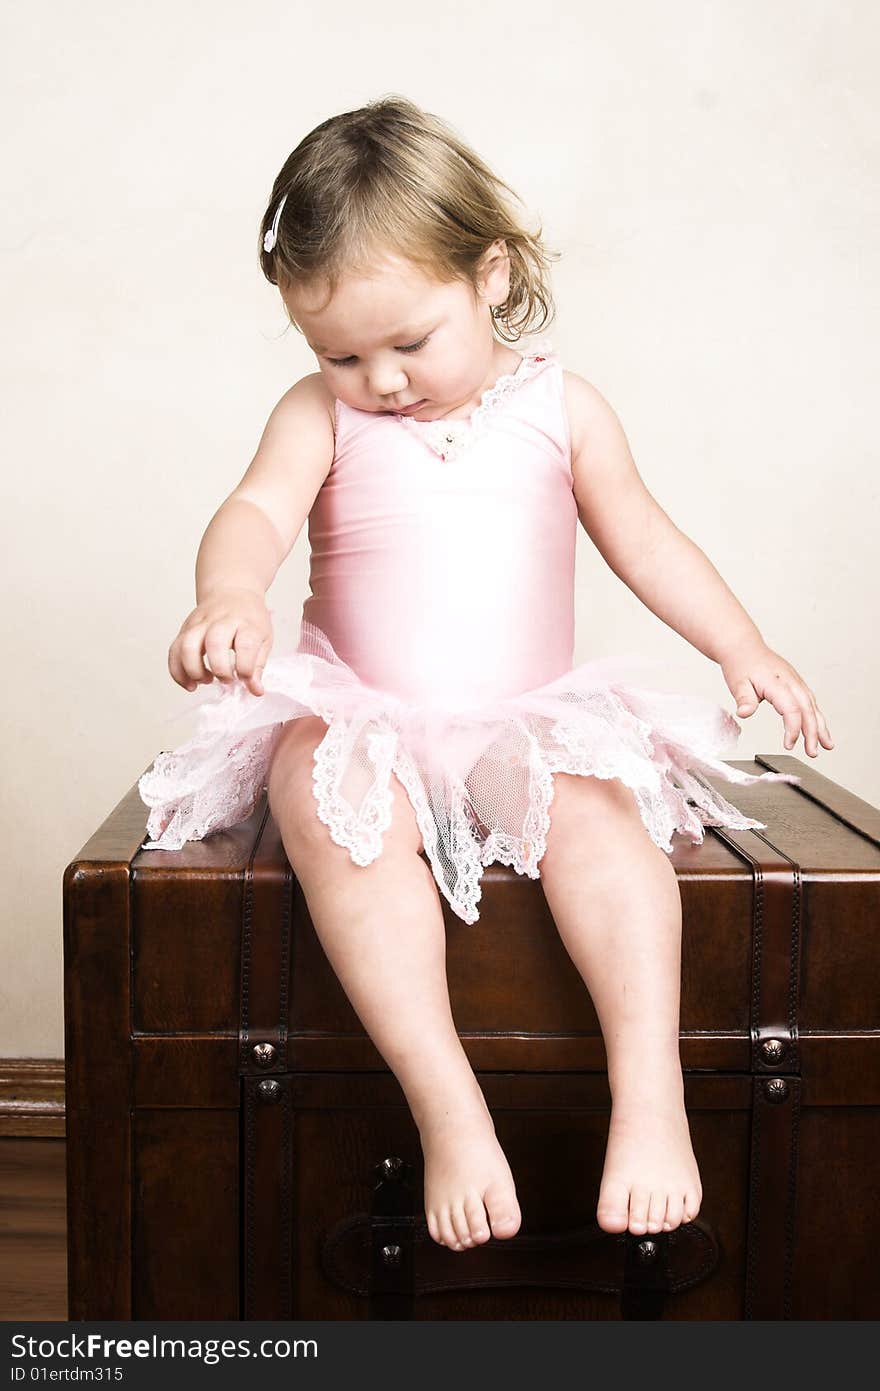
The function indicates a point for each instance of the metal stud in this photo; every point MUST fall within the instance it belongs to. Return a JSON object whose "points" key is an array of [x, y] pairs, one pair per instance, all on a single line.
{"points": [[772, 1050], [269, 1091], [391, 1167], [647, 1251], [391, 1255], [776, 1089], [263, 1054]]}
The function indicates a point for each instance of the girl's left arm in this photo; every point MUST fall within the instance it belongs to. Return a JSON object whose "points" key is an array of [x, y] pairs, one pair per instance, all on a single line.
{"points": [[671, 575]]}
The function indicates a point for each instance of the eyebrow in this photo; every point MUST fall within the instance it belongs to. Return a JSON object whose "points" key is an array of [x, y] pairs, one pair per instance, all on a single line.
{"points": [[394, 338]]}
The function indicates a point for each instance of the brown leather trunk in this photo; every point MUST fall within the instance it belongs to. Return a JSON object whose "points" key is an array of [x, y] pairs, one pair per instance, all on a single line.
{"points": [[238, 1149]]}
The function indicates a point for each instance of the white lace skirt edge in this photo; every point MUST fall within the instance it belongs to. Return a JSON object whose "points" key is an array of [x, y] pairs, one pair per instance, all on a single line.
{"points": [[480, 781]]}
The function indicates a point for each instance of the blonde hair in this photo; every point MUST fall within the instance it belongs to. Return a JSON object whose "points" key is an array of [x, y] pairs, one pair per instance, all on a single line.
{"points": [[391, 176]]}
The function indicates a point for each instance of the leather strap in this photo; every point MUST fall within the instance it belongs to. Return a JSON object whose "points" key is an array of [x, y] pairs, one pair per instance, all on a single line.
{"points": [[268, 1218], [265, 955], [772, 1182], [267, 1115], [776, 1101], [391, 1250], [844, 806], [776, 939], [775, 1065]]}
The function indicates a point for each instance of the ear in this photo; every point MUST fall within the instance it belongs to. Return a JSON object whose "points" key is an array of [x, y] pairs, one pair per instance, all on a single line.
{"points": [[493, 273]]}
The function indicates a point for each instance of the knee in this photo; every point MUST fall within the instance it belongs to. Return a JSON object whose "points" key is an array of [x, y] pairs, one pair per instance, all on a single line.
{"points": [[586, 800], [599, 815]]}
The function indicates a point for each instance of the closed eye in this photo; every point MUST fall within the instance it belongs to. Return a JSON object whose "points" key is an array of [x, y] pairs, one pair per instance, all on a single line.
{"points": [[410, 348]]}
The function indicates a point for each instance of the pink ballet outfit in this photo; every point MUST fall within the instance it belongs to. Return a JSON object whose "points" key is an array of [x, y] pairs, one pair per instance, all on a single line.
{"points": [[437, 644]]}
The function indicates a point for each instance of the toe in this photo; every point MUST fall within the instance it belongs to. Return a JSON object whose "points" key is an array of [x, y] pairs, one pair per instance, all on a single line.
{"points": [[612, 1212], [639, 1199], [656, 1212], [503, 1210], [476, 1217], [433, 1225], [692, 1200], [460, 1224], [447, 1231], [674, 1209]]}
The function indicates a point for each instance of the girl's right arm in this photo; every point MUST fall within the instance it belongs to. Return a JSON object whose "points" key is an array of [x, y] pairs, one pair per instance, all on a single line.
{"points": [[247, 539]]}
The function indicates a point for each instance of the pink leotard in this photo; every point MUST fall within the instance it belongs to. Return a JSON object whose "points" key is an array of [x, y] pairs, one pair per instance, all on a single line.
{"points": [[450, 581]]}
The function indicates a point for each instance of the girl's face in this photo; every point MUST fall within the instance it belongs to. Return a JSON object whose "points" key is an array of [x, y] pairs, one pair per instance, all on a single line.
{"points": [[393, 337]]}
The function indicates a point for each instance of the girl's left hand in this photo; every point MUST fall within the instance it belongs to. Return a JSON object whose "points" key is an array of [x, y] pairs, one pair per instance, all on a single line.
{"points": [[754, 673]]}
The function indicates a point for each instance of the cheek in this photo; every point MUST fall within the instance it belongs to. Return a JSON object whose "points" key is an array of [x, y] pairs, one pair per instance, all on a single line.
{"points": [[335, 379], [442, 367]]}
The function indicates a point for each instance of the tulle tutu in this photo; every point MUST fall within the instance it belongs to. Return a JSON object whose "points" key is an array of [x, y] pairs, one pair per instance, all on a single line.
{"points": [[480, 780]]}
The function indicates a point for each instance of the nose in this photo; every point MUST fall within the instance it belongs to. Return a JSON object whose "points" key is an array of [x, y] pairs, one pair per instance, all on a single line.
{"points": [[389, 380]]}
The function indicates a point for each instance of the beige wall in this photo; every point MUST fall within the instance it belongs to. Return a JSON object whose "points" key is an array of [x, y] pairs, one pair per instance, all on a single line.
{"points": [[709, 172]]}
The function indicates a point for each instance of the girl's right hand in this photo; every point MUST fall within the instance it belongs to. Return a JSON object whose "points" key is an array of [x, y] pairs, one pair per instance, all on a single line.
{"points": [[228, 621]]}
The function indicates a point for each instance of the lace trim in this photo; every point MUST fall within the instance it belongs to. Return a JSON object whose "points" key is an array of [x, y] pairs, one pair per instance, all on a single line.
{"points": [[360, 833], [450, 438], [663, 747]]}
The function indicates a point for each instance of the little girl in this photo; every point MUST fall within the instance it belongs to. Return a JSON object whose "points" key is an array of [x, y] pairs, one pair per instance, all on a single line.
{"points": [[431, 704]]}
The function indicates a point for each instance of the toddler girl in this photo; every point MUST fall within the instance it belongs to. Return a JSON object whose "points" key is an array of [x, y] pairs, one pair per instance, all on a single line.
{"points": [[431, 704]]}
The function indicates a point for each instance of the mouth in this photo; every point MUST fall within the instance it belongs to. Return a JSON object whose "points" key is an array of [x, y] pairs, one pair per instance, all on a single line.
{"points": [[408, 410]]}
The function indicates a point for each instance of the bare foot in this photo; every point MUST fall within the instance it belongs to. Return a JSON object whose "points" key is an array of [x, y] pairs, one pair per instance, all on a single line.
{"points": [[650, 1181], [468, 1184]]}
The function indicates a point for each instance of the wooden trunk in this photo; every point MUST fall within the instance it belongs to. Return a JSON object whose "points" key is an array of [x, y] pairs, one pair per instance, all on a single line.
{"points": [[238, 1149]]}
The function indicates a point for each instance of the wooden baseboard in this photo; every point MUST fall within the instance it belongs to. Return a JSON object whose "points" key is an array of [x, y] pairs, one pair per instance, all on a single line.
{"points": [[32, 1096]]}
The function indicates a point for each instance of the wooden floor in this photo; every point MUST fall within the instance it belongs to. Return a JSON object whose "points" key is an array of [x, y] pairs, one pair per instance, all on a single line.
{"points": [[33, 1229]]}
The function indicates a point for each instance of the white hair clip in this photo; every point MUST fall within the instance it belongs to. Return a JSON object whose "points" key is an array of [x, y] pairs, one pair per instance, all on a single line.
{"points": [[271, 236]]}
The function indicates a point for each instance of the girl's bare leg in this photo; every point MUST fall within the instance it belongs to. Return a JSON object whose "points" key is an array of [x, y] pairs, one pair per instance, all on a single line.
{"points": [[614, 897], [381, 927]]}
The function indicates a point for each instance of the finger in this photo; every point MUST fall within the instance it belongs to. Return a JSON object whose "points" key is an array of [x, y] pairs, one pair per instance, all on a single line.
{"points": [[188, 660], [785, 701], [262, 658], [250, 648], [810, 728], [218, 650], [813, 721], [815, 739], [246, 643], [747, 698], [824, 733], [175, 667], [825, 738], [808, 722], [190, 645], [779, 694]]}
